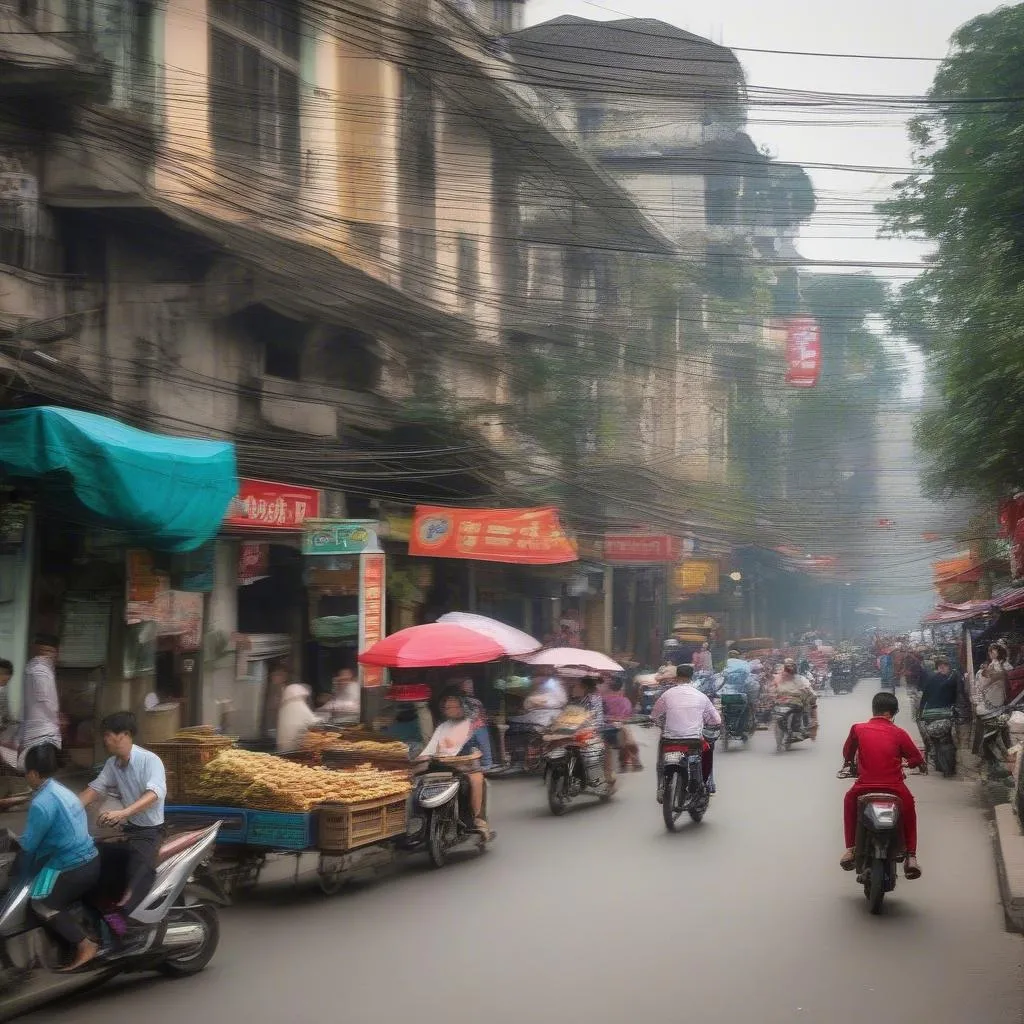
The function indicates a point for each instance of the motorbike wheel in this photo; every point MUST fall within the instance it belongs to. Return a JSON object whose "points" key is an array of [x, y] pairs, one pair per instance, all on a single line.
{"points": [[780, 738], [558, 798], [945, 759], [438, 838], [671, 800], [725, 737], [196, 960], [874, 887]]}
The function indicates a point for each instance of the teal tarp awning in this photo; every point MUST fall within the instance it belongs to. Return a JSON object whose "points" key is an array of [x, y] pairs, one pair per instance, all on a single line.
{"points": [[166, 493]]}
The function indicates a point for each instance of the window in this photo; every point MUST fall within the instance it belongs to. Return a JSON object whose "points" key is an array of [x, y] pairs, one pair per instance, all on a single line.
{"points": [[27, 233], [589, 120], [417, 174], [725, 272], [282, 360], [254, 83], [124, 35], [545, 273], [468, 269]]}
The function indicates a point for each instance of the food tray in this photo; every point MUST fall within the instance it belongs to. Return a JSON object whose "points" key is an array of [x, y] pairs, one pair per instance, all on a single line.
{"points": [[350, 759], [281, 830], [347, 826], [187, 817], [183, 761]]}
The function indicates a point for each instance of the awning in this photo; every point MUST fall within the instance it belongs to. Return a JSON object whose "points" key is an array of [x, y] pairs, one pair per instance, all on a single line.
{"points": [[166, 493], [958, 612]]}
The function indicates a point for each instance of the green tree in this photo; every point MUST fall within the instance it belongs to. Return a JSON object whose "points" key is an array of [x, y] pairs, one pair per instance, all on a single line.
{"points": [[967, 308]]}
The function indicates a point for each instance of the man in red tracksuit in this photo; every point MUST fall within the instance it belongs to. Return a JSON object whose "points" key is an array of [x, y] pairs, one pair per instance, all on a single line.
{"points": [[880, 748]]}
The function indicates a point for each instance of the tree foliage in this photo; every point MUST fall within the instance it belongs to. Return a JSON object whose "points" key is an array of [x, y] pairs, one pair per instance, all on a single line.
{"points": [[967, 308]]}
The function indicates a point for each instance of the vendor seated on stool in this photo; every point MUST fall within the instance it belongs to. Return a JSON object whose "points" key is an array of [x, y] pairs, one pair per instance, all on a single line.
{"points": [[454, 738]]}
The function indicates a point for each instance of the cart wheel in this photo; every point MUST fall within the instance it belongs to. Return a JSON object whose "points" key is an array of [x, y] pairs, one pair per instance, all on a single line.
{"points": [[331, 883]]}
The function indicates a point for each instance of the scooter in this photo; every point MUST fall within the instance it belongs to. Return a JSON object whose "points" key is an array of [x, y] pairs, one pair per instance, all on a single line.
{"points": [[681, 786], [737, 717], [879, 845], [573, 766], [789, 725], [938, 724], [441, 817], [175, 930]]}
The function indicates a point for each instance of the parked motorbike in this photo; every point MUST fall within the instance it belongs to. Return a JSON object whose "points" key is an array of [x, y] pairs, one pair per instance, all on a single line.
{"points": [[175, 929], [879, 845], [574, 765], [939, 726], [737, 717], [681, 786], [844, 678], [441, 817], [790, 726]]}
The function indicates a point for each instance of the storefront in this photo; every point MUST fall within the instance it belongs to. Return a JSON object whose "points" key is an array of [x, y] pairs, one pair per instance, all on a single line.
{"points": [[100, 523]]}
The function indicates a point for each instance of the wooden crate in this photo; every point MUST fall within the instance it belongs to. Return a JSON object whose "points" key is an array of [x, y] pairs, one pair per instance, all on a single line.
{"points": [[347, 826]]}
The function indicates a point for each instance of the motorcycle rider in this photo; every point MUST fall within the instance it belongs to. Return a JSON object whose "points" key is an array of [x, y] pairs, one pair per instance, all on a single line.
{"points": [[65, 860], [454, 738], [790, 687], [682, 712], [880, 747]]}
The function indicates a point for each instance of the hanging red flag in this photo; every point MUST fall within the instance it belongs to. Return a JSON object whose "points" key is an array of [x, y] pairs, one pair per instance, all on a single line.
{"points": [[803, 352]]}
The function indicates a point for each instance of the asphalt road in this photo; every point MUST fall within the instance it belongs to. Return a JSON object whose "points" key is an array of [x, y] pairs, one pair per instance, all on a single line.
{"points": [[603, 916]]}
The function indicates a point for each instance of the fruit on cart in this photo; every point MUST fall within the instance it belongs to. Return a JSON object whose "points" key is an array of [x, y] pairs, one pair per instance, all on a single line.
{"points": [[264, 782]]}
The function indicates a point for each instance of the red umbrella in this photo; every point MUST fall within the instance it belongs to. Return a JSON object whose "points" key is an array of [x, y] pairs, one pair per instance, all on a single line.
{"points": [[430, 646]]}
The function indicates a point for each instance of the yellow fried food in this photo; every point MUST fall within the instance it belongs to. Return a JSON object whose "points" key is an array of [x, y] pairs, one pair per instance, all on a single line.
{"points": [[266, 782]]}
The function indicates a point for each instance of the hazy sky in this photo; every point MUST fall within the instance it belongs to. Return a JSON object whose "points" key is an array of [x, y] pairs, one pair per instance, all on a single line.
{"points": [[869, 137]]}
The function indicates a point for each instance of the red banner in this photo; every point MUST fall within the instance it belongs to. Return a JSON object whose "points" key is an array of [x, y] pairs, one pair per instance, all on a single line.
{"points": [[803, 352], [641, 547], [529, 536], [371, 612], [264, 505]]}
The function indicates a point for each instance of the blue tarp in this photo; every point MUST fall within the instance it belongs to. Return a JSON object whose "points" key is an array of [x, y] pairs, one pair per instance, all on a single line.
{"points": [[166, 493]]}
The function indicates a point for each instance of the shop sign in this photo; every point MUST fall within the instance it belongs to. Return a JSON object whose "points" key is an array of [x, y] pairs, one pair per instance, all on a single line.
{"points": [[253, 563], [264, 505], [340, 537], [371, 612], [524, 536], [397, 528], [641, 547], [803, 352], [697, 576]]}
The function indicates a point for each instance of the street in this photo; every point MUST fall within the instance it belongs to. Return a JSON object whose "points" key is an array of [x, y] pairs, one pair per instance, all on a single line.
{"points": [[603, 916]]}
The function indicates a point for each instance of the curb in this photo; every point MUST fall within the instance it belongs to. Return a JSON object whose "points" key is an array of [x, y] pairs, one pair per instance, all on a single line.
{"points": [[1008, 844]]}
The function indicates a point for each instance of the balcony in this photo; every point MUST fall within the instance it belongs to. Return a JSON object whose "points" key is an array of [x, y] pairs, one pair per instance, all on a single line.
{"points": [[319, 409]]}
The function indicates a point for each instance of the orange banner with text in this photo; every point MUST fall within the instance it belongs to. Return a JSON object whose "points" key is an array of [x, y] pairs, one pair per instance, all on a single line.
{"points": [[528, 536]]}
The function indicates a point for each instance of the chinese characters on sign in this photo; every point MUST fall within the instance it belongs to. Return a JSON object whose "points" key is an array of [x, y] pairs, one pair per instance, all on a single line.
{"points": [[696, 576], [530, 536], [640, 547], [340, 537], [371, 612], [264, 505], [803, 353]]}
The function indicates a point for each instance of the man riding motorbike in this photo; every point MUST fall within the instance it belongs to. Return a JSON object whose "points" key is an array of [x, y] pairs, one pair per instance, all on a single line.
{"points": [[682, 712], [880, 747], [789, 687]]}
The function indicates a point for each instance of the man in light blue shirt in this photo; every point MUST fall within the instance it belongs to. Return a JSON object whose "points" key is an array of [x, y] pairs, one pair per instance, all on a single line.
{"points": [[737, 675], [64, 859], [136, 776]]}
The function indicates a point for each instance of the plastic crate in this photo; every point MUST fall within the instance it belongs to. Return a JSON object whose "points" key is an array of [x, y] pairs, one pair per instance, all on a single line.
{"points": [[186, 818], [281, 830], [347, 826]]}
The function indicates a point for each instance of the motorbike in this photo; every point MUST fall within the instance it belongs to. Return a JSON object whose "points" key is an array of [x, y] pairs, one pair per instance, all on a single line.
{"points": [[737, 717], [844, 678], [790, 726], [574, 765], [175, 929], [441, 818], [681, 786], [879, 844], [939, 725]]}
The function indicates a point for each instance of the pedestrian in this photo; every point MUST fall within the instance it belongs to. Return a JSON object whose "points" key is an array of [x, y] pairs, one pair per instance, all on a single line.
{"points": [[137, 778], [42, 703]]}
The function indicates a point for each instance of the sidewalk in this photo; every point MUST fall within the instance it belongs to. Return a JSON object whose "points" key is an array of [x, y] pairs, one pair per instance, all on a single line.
{"points": [[1008, 844]]}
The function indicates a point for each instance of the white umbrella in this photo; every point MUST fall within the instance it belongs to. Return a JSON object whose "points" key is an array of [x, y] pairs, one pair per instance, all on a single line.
{"points": [[573, 657], [515, 642]]}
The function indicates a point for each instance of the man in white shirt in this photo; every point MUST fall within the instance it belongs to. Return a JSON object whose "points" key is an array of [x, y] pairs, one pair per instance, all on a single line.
{"points": [[682, 712], [137, 778], [41, 723]]}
